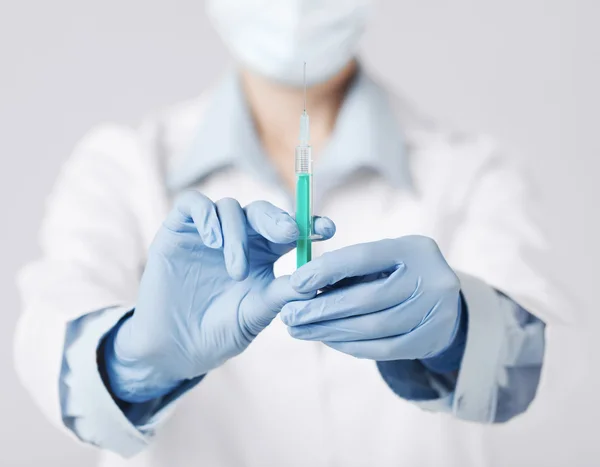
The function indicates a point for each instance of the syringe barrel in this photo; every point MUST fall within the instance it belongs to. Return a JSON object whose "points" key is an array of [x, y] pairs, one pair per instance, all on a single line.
{"points": [[303, 160], [304, 204]]}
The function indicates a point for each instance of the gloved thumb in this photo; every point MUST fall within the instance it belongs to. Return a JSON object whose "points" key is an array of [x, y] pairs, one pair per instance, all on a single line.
{"points": [[261, 306]]}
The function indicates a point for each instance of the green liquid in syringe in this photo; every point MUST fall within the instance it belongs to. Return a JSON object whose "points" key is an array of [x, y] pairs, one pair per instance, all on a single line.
{"points": [[303, 218]]}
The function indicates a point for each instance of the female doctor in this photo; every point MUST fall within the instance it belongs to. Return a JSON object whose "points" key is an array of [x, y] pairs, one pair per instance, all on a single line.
{"points": [[151, 325]]}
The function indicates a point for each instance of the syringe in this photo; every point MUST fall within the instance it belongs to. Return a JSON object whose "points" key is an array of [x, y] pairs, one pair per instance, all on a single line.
{"points": [[304, 192]]}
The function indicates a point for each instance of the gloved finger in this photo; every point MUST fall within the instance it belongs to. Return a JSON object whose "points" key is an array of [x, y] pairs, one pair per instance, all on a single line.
{"points": [[399, 319], [388, 348], [351, 261], [427, 340], [324, 227], [350, 281], [235, 238], [194, 211], [279, 292], [260, 307], [358, 299], [271, 222]]}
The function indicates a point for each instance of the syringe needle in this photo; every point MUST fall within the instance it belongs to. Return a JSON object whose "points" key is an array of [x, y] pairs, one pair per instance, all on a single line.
{"points": [[304, 86]]}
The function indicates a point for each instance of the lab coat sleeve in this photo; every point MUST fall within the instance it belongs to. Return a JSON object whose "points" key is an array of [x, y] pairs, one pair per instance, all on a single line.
{"points": [[88, 409], [498, 253], [501, 367], [92, 253], [501, 257], [493, 389]]}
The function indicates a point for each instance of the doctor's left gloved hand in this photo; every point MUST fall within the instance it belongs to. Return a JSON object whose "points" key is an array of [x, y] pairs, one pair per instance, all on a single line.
{"points": [[386, 300]]}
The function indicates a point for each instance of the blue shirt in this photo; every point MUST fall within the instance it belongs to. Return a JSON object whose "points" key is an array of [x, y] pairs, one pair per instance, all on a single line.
{"points": [[366, 115]]}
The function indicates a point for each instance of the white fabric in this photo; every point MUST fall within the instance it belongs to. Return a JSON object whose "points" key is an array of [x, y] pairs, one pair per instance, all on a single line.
{"points": [[283, 401], [275, 37]]}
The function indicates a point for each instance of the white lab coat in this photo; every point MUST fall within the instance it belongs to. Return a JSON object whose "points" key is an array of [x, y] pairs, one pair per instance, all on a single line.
{"points": [[283, 401]]}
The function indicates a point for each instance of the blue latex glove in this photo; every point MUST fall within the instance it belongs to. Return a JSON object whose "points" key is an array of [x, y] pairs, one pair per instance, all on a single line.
{"points": [[207, 290], [387, 300]]}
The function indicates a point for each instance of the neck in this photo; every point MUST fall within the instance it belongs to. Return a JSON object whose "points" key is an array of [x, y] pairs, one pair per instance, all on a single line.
{"points": [[276, 112]]}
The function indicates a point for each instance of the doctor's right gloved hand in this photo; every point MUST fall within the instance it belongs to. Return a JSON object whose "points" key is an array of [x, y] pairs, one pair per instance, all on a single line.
{"points": [[207, 290]]}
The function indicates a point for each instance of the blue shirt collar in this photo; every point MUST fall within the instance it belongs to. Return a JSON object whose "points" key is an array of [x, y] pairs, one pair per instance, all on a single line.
{"points": [[366, 135]]}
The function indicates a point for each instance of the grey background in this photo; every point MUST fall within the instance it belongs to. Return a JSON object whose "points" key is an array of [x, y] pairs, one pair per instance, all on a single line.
{"points": [[525, 71]]}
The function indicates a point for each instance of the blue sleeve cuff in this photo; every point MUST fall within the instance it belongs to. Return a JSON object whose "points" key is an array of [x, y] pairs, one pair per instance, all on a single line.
{"points": [[422, 380], [490, 372], [410, 380]]}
